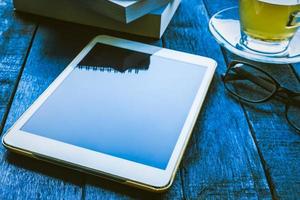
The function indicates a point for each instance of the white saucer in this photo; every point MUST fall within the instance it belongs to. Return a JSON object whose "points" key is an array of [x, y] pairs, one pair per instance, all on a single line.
{"points": [[225, 27]]}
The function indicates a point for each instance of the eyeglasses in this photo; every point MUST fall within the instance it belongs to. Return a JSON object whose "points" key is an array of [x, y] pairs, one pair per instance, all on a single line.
{"points": [[251, 84]]}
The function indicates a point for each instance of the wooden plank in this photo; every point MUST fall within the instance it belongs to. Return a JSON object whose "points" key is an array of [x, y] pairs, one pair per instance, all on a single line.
{"points": [[222, 160], [15, 38], [278, 144], [17, 182], [16, 35], [52, 49]]}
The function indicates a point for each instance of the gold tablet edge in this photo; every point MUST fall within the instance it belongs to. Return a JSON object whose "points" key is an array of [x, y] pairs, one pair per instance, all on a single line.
{"points": [[84, 170]]}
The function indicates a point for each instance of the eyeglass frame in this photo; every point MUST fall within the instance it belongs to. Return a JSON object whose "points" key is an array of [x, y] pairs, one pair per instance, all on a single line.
{"points": [[278, 88]]}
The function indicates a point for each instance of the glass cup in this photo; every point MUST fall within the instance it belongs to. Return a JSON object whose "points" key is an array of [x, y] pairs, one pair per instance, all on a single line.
{"points": [[267, 26]]}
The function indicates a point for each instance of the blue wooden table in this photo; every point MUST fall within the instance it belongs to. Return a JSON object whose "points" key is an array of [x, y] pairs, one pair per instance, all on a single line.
{"points": [[237, 150]]}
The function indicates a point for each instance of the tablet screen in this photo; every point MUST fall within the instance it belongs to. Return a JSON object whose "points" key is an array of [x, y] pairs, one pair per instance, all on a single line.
{"points": [[123, 103]]}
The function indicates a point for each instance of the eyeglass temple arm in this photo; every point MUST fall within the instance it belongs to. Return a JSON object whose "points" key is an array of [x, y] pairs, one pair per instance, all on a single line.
{"points": [[255, 79]]}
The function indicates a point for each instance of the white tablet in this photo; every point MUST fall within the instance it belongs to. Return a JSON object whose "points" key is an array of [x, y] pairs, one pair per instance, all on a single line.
{"points": [[122, 110]]}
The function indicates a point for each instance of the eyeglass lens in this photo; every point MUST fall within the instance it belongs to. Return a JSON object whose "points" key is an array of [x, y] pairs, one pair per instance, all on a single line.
{"points": [[249, 83]]}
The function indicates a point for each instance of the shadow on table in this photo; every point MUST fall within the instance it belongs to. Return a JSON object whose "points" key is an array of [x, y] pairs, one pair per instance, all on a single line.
{"points": [[93, 185]]}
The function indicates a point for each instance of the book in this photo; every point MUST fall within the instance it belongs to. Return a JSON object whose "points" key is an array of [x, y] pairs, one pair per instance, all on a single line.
{"points": [[151, 25], [124, 11]]}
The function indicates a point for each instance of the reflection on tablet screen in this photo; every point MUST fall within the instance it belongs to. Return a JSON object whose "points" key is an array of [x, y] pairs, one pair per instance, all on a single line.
{"points": [[122, 103]]}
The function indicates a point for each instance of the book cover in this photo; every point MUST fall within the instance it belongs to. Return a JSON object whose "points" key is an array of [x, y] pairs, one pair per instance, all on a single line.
{"points": [[124, 11], [151, 25]]}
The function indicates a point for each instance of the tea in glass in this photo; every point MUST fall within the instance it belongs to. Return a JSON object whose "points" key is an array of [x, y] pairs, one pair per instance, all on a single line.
{"points": [[268, 25]]}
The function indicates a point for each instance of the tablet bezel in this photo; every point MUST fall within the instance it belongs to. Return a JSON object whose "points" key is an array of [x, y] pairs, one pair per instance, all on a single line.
{"points": [[99, 163]]}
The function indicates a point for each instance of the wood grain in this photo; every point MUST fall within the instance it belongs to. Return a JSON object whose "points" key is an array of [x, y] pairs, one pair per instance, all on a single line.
{"points": [[222, 160], [28, 178], [15, 39], [278, 144]]}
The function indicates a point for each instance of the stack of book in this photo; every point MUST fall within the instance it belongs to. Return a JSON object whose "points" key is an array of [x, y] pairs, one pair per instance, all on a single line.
{"points": [[148, 18]]}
